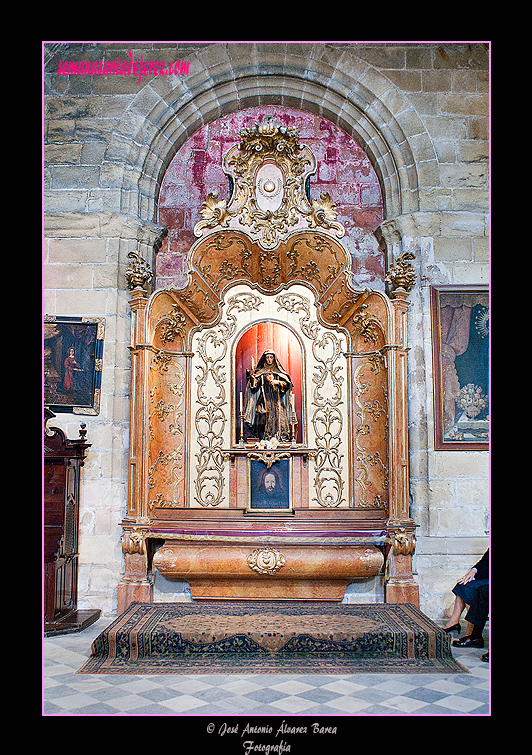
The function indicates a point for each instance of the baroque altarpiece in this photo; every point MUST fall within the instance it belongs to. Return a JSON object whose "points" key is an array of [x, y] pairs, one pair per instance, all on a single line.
{"points": [[269, 419]]}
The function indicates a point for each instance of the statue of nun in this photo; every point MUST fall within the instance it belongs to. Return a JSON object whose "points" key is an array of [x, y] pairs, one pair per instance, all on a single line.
{"points": [[268, 399]]}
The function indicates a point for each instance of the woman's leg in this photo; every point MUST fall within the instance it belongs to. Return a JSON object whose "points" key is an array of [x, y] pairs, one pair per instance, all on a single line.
{"points": [[459, 606]]}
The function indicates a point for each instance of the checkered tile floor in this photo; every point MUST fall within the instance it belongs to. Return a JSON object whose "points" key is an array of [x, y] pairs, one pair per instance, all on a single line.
{"points": [[66, 693]]}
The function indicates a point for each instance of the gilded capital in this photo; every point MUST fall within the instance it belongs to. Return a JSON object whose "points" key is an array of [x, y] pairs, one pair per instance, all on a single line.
{"points": [[402, 275], [138, 273]]}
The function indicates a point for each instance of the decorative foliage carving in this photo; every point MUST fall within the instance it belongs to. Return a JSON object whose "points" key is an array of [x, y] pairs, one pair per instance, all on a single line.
{"points": [[166, 422], [172, 325], [323, 214], [274, 202], [214, 214], [210, 420], [268, 457], [269, 267], [227, 270], [372, 414], [311, 271], [366, 325], [327, 419]]}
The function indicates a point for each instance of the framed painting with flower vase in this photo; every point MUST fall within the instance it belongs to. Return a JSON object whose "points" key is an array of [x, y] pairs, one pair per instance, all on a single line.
{"points": [[460, 339]]}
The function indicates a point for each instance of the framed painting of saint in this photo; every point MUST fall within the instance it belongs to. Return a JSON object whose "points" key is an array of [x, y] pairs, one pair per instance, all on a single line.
{"points": [[269, 485], [72, 361], [460, 338]]}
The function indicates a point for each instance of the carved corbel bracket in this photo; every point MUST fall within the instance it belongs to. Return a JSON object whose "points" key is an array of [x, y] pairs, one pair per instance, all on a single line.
{"points": [[134, 541], [268, 457], [404, 542]]}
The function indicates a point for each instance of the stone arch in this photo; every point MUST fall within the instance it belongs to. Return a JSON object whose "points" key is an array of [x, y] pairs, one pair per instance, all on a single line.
{"points": [[224, 78]]}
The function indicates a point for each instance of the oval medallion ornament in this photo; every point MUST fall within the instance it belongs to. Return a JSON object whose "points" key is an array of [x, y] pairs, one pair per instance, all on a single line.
{"points": [[269, 183], [266, 560]]}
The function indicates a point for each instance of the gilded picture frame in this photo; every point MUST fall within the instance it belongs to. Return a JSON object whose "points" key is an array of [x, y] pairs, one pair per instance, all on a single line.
{"points": [[72, 363], [461, 344], [269, 483]]}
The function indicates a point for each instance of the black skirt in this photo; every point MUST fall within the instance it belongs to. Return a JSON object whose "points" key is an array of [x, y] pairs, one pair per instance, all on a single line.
{"points": [[467, 591]]}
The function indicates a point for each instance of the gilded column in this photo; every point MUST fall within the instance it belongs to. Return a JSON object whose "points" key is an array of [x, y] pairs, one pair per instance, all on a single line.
{"points": [[135, 584], [401, 586]]}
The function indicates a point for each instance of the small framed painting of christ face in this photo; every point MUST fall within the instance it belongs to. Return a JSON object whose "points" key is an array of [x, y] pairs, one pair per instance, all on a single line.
{"points": [[269, 484]]}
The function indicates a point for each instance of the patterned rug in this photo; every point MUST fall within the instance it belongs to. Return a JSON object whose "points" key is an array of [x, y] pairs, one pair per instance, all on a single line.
{"points": [[242, 637]]}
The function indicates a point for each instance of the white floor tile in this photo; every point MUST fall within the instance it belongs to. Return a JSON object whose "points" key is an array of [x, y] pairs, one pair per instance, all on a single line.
{"points": [[348, 704], [183, 703], [293, 704], [404, 703], [71, 702], [343, 687], [241, 686], [395, 686], [292, 687], [459, 704]]}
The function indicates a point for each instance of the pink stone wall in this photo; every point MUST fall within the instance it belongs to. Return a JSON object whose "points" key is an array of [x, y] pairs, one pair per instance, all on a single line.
{"points": [[344, 171]]}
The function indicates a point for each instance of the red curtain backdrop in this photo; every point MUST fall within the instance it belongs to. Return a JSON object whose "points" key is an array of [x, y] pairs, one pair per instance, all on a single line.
{"points": [[454, 341]]}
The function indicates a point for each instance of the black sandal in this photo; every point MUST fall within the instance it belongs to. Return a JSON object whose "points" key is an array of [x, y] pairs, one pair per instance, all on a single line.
{"points": [[454, 628]]}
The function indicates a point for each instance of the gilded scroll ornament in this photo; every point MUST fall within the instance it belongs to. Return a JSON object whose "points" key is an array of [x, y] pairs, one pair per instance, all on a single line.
{"points": [[327, 419], [266, 560], [269, 169], [211, 399], [171, 325]]}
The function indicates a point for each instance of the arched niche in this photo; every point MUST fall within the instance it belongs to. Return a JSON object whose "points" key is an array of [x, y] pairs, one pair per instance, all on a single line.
{"points": [[352, 478], [342, 169], [250, 345]]}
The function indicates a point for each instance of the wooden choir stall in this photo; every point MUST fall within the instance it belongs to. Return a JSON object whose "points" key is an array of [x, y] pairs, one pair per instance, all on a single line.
{"points": [[63, 461]]}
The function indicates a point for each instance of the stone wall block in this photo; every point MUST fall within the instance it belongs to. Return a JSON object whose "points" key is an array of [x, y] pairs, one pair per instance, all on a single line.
{"points": [[74, 251], [464, 174], [463, 224], [465, 464], [65, 201], [68, 276]]}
